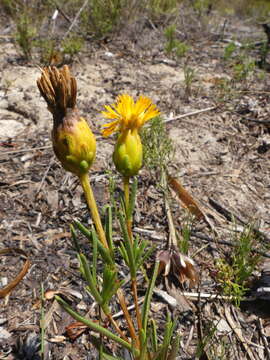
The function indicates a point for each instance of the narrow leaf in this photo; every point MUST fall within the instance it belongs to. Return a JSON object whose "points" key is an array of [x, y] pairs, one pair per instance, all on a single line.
{"points": [[93, 325], [148, 297], [89, 279], [185, 198]]}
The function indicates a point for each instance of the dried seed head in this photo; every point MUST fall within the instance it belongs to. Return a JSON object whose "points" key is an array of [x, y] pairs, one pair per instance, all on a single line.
{"points": [[73, 141], [179, 265], [59, 89]]}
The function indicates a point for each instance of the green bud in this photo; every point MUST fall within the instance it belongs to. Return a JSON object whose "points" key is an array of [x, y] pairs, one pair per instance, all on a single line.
{"points": [[128, 154]]}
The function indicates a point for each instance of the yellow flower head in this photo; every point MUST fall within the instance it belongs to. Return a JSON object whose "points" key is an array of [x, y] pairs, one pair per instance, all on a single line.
{"points": [[127, 114]]}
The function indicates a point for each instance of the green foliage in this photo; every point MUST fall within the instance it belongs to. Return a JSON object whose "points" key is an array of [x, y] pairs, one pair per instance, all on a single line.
{"points": [[225, 90], [163, 6], [103, 16], [47, 48], [25, 35], [229, 51], [28, 17], [234, 272], [189, 75], [209, 331], [72, 46], [240, 61], [243, 69], [157, 146], [105, 286], [186, 230], [201, 6], [173, 45]]}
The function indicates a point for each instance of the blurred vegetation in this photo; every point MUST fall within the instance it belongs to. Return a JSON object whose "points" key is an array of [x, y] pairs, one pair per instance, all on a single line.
{"points": [[173, 45], [57, 30]]}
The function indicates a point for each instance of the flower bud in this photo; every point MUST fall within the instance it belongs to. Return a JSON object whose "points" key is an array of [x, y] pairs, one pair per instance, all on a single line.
{"points": [[128, 154], [74, 143]]}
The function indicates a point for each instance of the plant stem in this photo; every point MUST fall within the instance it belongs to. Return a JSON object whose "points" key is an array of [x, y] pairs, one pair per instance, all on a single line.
{"points": [[127, 204], [91, 202], [129, 229], [135, 295], [114, 323], [127, 316], [94, 326], [126, 190]]}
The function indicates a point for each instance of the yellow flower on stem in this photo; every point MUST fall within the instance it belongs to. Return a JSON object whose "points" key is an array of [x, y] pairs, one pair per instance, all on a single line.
{"points": [[128, 117], [73, 141]]}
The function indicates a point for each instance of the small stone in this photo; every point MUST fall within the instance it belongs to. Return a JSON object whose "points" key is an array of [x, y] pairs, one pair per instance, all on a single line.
{"points": [[4, 334]]}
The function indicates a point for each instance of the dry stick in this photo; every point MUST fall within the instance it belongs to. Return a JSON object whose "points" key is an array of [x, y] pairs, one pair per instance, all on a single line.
{"points": [[172, 242], [8, 288], [264, 122], [44, 176], [224, 242], [75, 19], [238, 333], [25, 150], [130, 307], [230, 216], [264, 339], [190, 114], [117, 328], [61, 11]]}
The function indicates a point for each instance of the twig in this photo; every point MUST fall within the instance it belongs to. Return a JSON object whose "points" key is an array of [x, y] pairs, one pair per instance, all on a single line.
{"points": [[75, 19], [229, 215], [25, 150], [190, 114], [264, 122], [61, 11], [166, 297], [264, 339], [131, 307], [149, 233], [197, 296], [224, 242], [44, 176], [237, 330], [172, 233]]}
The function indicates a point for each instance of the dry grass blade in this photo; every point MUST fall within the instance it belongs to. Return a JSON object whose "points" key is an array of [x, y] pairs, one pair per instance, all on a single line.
{"points": [[7, 289], [185, 198], [237, 330]]}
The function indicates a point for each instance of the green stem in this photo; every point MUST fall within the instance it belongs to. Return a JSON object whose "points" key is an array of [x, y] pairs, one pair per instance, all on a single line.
{"points": [[95, 326], [127, 204], [91, 202], [136, 302], [130, 235], [126, 191]]}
